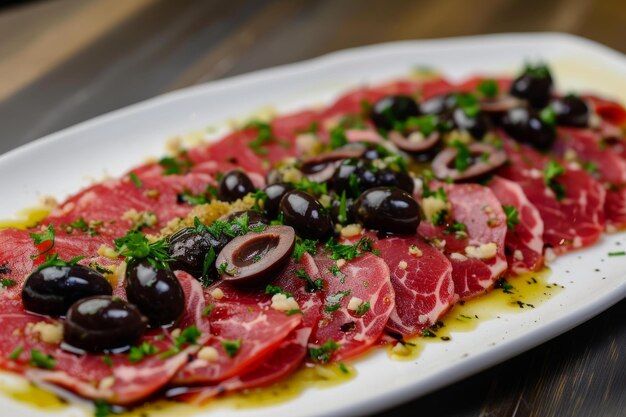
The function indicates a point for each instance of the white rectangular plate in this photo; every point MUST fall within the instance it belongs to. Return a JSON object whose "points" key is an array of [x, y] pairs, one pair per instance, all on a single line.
{"points": [[61, 163]]}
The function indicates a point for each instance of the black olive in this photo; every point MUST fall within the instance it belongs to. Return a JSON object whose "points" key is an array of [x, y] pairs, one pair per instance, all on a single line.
{"points": [[534, 85], [367, 177], [345, 178], [307, 215], [156, 292], [255, 220], [391, 109], [103, 323], [52, 290], [526, 126], [275, 193], [483, 159], [234, 185], [388, 210], [257, 256], [571, 111], [476, 126], [188, 250], [321, 168], [335, 210], [401, 180]]}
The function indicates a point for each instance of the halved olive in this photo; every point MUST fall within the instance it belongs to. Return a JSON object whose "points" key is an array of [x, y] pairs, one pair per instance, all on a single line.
{"points": [[156, 292], [188, 250], [525, 125], [415, 142], [388, 210], [307, 215], [257, 256], [234, 185], [571, 111], [534, 85], [483, 160], [52, 290], [275, 193], [321, 168], [103, 323], [391, 109]]}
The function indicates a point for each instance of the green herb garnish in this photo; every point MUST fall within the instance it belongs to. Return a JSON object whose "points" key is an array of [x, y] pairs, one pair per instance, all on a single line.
{"points": [[512, 217], [311, 284], [137, 353], [302, 246], [41, 360], [135, 245], [135, 179], [488, 88], [325, 352], [232, 347], [550, 173]]}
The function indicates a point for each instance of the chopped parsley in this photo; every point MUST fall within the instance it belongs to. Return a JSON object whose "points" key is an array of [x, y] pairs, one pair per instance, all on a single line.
{"points": [[362, 308], [539, 70], [506, 286], [259, 195], [107, 360], [349, 252], [16, 353], [41, 360], [294, 311], [550, 173], [463, 158], [135, 245], [46, 236], [209, 260], [224, 269], [343, 368], [548, 116], [175, 166], [332, 301], [232, 347], [54, 260], [512, 216], [82, 225], [188, 336], [137, 353], [428, 333], [590, 167], [302, 246], [311, 284], [135, 179], [426, 124], [102, 408], [325, 352], [469, 104], [620, 253], [273, 289], [208, 309], [458, 229], [488, 88], [6, 283], [338, 137], [309, 186], [264, 136], [194, 199]]}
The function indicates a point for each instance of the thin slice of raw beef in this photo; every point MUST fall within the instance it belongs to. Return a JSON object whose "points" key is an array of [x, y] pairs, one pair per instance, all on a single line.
{"points": [[609, 110], [524, 237], [107, 202], [421, 277], [589, 149], [282, 363], [363, 284], [476, 250], [116, 379], [18, 254], [572, 222]]}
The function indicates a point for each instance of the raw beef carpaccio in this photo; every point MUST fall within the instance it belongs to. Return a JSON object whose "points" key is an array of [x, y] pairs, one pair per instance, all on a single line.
{"points": [[476, 251], [351, 286]]}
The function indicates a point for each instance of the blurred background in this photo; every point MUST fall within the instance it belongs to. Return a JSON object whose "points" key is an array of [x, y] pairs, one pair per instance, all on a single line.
{"points": [[65, 61]]}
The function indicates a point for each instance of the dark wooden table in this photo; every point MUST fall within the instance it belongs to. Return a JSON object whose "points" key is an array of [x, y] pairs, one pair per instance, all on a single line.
{"points": [[65, 61]]}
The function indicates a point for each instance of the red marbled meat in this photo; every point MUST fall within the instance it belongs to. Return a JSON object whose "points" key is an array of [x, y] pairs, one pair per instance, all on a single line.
{"points": [[258, 329], [587, 147], [367, 278], [524, 243], [282, 363], [89, 375], [574, 222], [480, 211], [421, 277], [109, 200]]}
